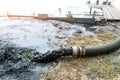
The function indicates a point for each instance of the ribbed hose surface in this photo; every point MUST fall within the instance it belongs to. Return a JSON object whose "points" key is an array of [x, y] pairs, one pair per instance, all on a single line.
{"points": [[90, 51]]}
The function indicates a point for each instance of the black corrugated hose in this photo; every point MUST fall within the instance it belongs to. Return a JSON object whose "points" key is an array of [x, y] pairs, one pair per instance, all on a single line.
{"points": [[78, 51]]}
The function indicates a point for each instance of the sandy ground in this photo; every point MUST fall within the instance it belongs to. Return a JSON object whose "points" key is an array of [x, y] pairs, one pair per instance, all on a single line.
{"points": [[102, 67]]}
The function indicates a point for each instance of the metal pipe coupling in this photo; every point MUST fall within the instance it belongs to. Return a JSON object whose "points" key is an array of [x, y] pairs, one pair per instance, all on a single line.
{"points": [[78, 51]]}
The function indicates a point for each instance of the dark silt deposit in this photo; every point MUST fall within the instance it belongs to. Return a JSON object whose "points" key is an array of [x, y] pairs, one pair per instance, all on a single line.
{"points": [[16, 59], [16, 63], [23, 43]]}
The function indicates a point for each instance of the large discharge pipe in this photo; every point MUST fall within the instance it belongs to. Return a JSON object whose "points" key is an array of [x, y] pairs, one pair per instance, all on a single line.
{"points": [[96, 50], [78, 51]]}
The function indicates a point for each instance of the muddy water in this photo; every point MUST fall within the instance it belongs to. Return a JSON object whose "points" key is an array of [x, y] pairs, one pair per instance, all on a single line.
{"points": [[21, 36]]}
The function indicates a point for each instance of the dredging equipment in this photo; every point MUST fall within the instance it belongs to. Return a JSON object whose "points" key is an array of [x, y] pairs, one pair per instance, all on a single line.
{"points": [[78, 51]]}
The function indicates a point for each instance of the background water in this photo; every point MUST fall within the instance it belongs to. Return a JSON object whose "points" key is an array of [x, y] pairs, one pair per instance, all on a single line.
{"points": [[51, 7], [45, 6]]}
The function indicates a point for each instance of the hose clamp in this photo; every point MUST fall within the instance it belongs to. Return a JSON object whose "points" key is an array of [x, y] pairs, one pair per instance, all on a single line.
{"points": [[75, 51], [83, 51], [80, 51]]}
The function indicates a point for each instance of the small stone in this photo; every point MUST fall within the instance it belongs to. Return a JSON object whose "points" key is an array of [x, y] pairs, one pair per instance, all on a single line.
{"points": [[49, 39], [60, 27], [79, 31], [60, 36], [56, 24], [92, 28]]}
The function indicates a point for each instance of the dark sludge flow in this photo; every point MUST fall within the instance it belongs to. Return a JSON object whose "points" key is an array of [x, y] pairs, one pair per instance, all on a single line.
{"points": [[78, 51], [52, 55], [17, 59]]}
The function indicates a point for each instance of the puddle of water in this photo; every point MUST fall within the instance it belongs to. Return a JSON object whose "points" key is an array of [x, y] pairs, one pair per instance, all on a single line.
{"points": [[34, 33]]}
